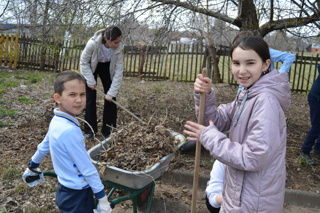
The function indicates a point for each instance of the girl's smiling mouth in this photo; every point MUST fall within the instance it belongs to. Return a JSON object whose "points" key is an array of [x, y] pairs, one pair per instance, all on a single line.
{"points": [[244, 79]]}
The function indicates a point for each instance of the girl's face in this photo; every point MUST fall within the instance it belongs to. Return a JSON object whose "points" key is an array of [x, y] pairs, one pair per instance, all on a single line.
{"points": [[73, 98], [247, 66], [113, 44]]}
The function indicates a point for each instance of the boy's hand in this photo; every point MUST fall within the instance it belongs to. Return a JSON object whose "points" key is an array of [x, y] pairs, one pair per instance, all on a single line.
{"points": [[32, 175], [103, 206]]}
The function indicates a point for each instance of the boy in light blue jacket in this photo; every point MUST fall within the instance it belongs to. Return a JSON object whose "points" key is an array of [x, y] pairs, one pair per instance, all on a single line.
{"points": [[78, 178]]}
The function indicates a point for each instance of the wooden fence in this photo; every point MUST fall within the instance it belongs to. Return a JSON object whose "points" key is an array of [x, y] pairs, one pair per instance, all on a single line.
{"points": [[8, 50], [178, 62]]}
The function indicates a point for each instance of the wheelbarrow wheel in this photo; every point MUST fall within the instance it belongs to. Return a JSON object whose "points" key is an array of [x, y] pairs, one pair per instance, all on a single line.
{"points": [[143, 197]]}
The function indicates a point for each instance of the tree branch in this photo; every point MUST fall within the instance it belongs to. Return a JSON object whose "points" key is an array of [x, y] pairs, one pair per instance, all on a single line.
{"points": [[5, 8], [204, 11], [287, 23]]}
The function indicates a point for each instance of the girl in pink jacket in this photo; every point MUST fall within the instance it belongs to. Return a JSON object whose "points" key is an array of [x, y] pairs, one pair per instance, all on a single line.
{"points": [[254, 152]]}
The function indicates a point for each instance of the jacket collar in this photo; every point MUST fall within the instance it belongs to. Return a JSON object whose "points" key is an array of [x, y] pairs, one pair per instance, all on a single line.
{"points": [[58, 113]]}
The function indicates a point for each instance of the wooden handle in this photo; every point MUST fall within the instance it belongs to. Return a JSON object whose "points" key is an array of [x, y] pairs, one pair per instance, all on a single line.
{"points": [[198, 149], [113, 101]]}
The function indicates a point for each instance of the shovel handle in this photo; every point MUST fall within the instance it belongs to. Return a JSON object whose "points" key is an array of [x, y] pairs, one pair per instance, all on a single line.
{"points": [[116, 103], [198, 150]]}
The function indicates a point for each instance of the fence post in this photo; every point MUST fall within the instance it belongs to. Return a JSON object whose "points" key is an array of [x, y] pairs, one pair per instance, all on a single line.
{"points": [[16, 52], [1, 48], [6, 51], [11, 52]]}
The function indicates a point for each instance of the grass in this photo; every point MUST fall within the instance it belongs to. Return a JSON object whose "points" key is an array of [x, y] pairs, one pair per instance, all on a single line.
{"points": [[4, 123], [25, 100], [9, 112], [8, 80], [158, 89], [9, 173]]}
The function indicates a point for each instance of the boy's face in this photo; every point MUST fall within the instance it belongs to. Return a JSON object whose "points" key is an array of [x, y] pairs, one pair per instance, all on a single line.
{"points": [[73, 98]]}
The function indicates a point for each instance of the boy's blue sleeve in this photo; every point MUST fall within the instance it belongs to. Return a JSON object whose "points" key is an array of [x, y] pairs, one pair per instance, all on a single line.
{"points": [[78, 154], [286, 58], [42, 151]]}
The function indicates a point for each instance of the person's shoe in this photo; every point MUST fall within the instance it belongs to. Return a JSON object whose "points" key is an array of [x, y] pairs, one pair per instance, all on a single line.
{"points": [[305, 158], [316, 152], [89, 136], [104, 135]]}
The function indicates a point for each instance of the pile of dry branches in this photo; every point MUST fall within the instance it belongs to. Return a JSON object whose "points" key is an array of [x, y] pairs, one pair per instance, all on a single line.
{"points": [[138, 147]]}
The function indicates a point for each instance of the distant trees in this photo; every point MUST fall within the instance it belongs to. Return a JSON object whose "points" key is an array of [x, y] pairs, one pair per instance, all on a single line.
{"points": [[152, 21]]}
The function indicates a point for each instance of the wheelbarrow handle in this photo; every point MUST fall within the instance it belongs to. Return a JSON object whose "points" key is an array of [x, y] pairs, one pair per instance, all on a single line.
{"points": [[30, 179]]}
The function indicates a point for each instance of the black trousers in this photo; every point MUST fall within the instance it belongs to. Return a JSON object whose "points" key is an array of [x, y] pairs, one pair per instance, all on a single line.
{"points": [[211, 208], [110, 109]]}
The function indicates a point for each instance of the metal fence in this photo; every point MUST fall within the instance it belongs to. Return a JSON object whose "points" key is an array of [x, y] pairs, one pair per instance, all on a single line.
{"points": [[178, 62]]}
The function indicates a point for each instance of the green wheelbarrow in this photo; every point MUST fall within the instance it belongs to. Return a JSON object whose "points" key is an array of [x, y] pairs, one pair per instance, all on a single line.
{"points": [[138, 196], [139, 184]]}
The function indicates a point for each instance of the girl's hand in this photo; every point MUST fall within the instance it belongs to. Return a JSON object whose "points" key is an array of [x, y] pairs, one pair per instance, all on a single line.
{"points": [[93, 87], [202, 84], [108, 97], [194, 130]]}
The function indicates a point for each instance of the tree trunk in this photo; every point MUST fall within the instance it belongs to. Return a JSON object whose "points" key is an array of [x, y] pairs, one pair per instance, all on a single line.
{"points": [[215, 63], [248, 16], [44, 38], [141, 53]]}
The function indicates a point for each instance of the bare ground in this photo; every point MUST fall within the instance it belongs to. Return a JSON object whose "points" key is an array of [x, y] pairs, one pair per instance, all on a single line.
{"points": [[169, 103]]}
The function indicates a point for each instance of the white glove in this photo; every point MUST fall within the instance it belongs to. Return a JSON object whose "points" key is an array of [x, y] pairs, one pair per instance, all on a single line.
{"points": [[103, 206], [32, 176]]}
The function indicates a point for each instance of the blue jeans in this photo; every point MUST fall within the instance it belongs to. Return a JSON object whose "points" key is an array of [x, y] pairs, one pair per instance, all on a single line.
{"points": [[313, 137], [74, 201]]}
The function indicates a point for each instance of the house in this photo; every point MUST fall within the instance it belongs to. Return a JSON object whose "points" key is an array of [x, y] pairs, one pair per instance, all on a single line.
{"points": [[6, 28], [315, 48]]}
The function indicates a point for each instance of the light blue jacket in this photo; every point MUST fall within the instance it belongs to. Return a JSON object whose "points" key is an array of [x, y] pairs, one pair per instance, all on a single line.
{"points": [[286, 58], [70, 159]]}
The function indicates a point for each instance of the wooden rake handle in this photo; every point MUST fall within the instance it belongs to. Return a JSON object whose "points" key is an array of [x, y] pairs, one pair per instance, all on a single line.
{"points": [[116, 103], [198, 150]]}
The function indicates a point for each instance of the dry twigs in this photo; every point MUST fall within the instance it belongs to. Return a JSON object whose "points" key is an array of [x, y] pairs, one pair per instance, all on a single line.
{"points": [[139, 147]]}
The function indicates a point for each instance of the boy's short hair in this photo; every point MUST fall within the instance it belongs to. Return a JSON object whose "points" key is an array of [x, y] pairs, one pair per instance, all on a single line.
{"points": [[65, 76]]}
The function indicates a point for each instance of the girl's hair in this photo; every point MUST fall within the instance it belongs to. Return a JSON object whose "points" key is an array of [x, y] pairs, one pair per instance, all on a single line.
{"points": [[111, 33], [65, 76], [242, 34], [254, 43]]}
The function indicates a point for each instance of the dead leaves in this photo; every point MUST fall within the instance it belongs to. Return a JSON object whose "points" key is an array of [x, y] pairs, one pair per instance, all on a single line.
{"points": [[139, 147]]}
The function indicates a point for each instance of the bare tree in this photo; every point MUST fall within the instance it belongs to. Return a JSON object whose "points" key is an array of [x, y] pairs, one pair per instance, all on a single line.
{"points": [[258, 15], [299, 18]]}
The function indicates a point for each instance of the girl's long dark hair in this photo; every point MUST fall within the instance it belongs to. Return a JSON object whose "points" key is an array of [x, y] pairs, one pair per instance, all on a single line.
{"points": [[111, 33], [254, 43]]}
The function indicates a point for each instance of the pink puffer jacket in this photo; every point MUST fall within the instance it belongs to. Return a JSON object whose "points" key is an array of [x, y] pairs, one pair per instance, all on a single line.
{"points": [[255, 150]]}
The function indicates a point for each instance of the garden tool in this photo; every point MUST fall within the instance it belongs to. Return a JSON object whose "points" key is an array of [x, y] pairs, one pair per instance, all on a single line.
{"points": [[198, 150], [116, 103]]}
